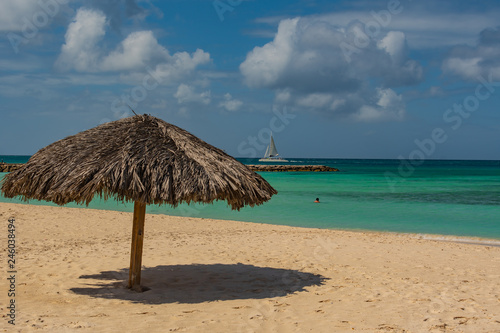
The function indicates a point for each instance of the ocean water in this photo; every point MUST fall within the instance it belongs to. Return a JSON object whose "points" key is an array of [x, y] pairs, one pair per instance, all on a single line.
{"points": [[460, 198]]}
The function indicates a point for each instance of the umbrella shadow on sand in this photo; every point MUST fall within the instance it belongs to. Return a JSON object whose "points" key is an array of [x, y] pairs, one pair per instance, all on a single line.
{"points": [[199, 283]]}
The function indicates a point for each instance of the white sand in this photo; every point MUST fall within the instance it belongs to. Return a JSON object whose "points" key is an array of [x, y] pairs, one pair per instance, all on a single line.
{"points": [[225, 276]]}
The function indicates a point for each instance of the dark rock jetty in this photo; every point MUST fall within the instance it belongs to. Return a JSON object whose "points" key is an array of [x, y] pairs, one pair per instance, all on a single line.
{"points": [[8, 167], [284, 168]]}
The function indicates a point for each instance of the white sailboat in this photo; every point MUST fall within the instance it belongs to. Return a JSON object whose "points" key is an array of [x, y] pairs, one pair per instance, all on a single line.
{"points": [[272, 153]]}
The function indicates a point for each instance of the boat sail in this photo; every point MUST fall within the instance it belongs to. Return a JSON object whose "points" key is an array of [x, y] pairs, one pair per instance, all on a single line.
{"points": [[271, 154]]}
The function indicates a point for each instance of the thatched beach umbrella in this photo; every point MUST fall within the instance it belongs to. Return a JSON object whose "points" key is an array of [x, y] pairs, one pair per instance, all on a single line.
{"points": [[142, 159]]}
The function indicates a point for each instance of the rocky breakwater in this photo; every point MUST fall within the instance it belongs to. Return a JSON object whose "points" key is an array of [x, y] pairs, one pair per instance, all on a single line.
{"points": [[285, 168], [8, 167]]}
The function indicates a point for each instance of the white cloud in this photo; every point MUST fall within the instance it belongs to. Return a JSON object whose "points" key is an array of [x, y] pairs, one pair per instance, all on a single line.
{"points": [[306, 65], [315, 100], [271, 59], [230, 104], [337, 104], [181, 63], [283, 96], [137, 51], [466, 67], [388, 106], [394, 44], [483, 59], [185, 94], [138, 60], [426, 27], [80, 50]]}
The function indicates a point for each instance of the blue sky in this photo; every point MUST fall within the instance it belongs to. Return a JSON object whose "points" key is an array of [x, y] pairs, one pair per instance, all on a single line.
{"points": [[335, 79]]}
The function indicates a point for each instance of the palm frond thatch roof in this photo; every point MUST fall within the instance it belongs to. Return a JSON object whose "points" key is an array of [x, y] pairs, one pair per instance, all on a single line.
{"points": [[140, 158]]}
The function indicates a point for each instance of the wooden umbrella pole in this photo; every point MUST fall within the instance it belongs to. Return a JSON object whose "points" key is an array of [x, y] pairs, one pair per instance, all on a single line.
{"points": [[134, 275]]}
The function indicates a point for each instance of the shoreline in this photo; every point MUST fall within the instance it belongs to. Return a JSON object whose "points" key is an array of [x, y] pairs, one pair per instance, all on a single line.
{"points": [[473, 240]]}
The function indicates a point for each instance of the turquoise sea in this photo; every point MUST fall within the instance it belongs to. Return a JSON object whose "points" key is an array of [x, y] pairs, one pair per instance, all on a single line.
{"points": [[448, 197]]}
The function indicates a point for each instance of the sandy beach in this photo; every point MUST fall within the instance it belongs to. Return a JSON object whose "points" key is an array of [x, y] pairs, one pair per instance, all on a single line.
{"points": [[224, 276]]}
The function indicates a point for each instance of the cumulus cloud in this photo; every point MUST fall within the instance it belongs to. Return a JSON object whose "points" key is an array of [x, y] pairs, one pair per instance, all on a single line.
{"points": [[394, 44], [388, 106], [186, 94], [431, 25], [315, 100], [481, 60], [468, 68], [82, 51], [306, 65], [230, 104], [181, 63], [136, 51], [272, 59]]}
